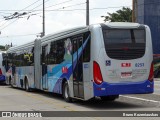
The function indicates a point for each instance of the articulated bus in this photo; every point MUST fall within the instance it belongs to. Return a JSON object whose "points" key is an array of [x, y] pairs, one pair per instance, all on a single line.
{"points": [[102, 60]]}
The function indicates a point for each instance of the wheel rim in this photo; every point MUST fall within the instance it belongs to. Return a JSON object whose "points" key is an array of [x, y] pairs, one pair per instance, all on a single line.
{"points": [[66, 91], [26, 85]]}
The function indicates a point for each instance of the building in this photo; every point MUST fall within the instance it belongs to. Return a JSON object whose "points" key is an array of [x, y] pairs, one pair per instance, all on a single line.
{"points": [[148, 12]]}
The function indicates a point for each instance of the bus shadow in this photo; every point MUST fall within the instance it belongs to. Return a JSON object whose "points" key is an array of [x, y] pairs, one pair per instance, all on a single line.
{"points": [[103, 105], [95, 104], [3, 84]]}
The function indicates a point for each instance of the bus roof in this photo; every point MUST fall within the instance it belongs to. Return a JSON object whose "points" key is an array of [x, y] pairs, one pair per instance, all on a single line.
{"points": [[24, 46], [66, 32]]}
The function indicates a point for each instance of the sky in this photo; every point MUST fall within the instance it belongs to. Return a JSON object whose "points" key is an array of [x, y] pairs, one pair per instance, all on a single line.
{"points": [[59, 15]]}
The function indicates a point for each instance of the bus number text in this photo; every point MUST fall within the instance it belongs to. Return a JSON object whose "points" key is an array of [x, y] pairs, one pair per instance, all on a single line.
{"points": [[139, 65]]}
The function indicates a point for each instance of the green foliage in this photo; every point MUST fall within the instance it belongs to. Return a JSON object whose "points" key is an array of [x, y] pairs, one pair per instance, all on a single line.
{"points": [[2, 47], [123, 15]]}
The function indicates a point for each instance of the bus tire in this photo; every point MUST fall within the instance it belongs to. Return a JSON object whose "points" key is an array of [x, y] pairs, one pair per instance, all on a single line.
{"points": [[66, 95], [27, 86], [109, 98], [9, 82], [11, 85]]}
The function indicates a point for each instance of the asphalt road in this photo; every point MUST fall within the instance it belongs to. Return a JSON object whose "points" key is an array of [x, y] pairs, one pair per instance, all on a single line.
{"points": [[157, 87], [14, 99]]}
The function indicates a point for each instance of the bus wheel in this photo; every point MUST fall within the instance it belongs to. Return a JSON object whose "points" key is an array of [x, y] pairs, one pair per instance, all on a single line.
{"points": [[109, 98], [9, 82], [66, 95], [27, 86], [11, 85]]}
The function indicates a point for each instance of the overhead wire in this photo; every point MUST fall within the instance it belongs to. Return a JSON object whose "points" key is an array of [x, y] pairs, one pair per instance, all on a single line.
{"points": [[3, 23], [17, 18], [38, 5], [32, 10], [29, 5], [63, 9], [3, 16], [59, 3], [58, 9], [5, 13], [20, 11], [74, 5], [9, 24]]}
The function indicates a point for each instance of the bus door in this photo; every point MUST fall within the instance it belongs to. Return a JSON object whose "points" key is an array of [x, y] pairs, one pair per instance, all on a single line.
{"points": [[77, 60], [44, 68]]}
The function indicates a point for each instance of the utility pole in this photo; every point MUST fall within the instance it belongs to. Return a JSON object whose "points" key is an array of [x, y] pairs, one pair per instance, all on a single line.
{"points": [[43, 33], [134, 10], [87, 12]]}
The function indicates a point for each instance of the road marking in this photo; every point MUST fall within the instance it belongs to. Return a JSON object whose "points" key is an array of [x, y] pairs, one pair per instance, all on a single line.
{"points": [[156, 94], [142, 99]]}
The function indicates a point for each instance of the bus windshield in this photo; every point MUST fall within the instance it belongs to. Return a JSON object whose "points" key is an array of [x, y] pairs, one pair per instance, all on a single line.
{"points": [[124, 44]]}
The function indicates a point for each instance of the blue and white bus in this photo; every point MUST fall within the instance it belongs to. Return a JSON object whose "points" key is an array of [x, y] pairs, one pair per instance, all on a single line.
{"points": [[2, 67], [101, 60]]}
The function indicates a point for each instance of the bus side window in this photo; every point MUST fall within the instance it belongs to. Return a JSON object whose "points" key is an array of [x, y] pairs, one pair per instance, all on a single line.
{"points": [[86, 51], [57, 52], [52, 53], [60, 51], [3, 62], [44, 55]]}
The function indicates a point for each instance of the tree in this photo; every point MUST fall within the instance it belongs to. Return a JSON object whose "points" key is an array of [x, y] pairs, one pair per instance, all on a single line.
{"points": [[2, 47], [123, 15]]}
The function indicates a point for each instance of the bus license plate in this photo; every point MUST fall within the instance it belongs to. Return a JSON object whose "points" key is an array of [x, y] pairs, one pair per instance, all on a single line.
{"points": [[126, 74]]}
